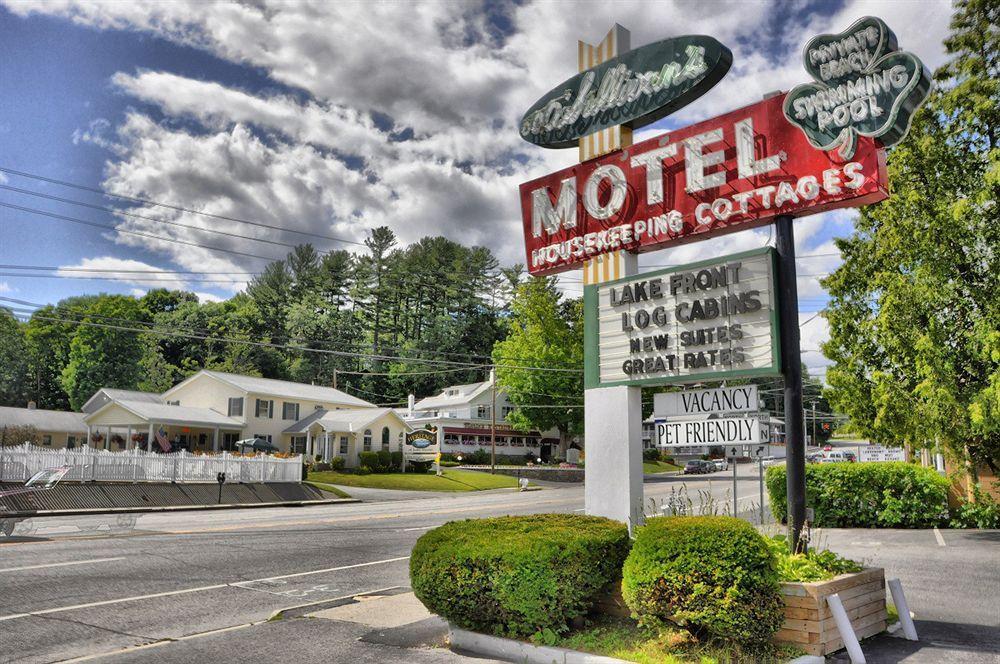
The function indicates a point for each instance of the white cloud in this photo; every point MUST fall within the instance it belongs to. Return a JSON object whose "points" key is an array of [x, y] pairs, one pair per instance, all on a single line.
{"points": [[449, 84], [121, 269], [6, 288]]}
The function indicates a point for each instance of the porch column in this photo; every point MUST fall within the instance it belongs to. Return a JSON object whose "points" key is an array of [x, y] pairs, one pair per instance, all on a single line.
{"points": [[87, 442], [149, 438], [215, 440], [309, 442], [128, 437], [328, 452], [107, 439]]}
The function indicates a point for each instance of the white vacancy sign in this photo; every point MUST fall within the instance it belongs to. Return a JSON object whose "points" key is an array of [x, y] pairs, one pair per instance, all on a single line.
{"points": [[880, 453], [696, 403], [724, 431], [710, 320]]}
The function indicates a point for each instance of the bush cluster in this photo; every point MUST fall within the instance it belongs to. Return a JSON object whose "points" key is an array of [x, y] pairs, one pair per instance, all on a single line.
{"points": [[866, 495], [713, 575], [382, 461], [517, 576], [982, 512], [814, 565]]}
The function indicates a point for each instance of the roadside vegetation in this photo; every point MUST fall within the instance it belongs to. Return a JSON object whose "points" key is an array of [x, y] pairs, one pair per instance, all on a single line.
{"points": [[451, 480], [695, 589]]}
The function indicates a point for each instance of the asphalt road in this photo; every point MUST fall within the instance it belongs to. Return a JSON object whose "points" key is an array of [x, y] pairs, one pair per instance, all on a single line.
{"points": [[201, 586]]}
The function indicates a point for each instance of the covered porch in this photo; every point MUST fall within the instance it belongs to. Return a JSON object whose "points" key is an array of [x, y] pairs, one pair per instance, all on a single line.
{"points": [[160, 427]]}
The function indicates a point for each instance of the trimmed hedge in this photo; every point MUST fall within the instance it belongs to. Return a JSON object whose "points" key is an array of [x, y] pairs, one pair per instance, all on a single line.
{"points": [[713, 575], [381, 461], [517, 575], [867, 495]]}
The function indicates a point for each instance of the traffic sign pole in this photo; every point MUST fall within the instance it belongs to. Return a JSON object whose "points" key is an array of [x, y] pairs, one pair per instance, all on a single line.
{"points": [[795, 450], [735, 504]]}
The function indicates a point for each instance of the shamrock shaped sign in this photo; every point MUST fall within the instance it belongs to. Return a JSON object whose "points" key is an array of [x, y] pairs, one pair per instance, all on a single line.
{"points": [[864, 85]]}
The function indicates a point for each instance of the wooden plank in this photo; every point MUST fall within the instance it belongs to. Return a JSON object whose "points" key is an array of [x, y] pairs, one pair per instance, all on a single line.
{"points": [[858, 625], [855, 615], [797, 613], [795, 636], [864, 633], [856, 591], [844, 581], [806, 602], [859, 600], [792, 589]]}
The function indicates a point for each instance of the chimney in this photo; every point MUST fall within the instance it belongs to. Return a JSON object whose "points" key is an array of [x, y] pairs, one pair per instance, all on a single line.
{"points": [[410, 400], [493, 374], [31, 405]]}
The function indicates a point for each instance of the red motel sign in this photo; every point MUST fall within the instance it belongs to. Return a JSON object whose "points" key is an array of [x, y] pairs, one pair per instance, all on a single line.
{"points": [[727, 174]]}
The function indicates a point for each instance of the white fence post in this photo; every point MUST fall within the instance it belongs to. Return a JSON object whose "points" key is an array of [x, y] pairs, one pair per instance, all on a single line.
{"points": [[903, 609]]}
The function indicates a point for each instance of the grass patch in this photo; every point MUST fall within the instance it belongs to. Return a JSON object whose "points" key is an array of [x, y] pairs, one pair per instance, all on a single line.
{"points": [[450, 480], [624, 639], [893, 613], [329, 488], [653, 467]]}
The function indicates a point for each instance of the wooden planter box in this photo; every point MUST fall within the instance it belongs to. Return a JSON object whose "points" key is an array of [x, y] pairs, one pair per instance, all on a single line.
{"points": [[809, 622]]}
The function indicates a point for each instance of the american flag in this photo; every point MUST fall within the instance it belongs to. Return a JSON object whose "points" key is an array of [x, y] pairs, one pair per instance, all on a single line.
{"points": [[161, 438]]}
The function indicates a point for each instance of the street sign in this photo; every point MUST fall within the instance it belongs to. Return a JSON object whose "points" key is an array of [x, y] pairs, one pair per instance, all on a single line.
{"points": [[878, 453], [725, 431], [748, 451], [727, 174], [422, 444], [711, 320], [692, 403]]}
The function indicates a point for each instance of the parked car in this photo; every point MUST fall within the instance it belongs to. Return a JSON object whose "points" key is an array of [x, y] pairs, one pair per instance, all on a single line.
{"points": [[720, 464], [698, 467], [771, 461], [814, 457], [838, 456]]}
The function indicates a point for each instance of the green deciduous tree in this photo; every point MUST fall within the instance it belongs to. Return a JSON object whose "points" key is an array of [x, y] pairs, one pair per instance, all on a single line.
{"points": [[915, 310], [101, 356], [543, 332], [13, 360]]}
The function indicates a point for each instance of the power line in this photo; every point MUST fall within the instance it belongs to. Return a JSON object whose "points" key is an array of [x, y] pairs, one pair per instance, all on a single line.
{"points": [[144, 217], [137, 233], [132, 280], [179, 208]]}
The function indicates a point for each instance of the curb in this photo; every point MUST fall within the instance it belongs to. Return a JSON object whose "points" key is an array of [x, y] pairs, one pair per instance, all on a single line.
{"points": [[509, 650], [173, 508]]}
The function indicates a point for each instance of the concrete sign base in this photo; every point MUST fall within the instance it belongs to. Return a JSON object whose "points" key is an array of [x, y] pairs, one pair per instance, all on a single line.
{"points": [[613, 467]]}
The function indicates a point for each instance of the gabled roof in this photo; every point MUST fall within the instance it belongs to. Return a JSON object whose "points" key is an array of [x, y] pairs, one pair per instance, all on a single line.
{"points": [[462, 394], [344, 421], [279, 388], [162, 413], [115, 394], [43, 420]]}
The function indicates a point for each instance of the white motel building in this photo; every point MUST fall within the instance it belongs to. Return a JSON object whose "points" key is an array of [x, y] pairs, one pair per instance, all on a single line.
{"points": [[462, 415], [211, 410]]}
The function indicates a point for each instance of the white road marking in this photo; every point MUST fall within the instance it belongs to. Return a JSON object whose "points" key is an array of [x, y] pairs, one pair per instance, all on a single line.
{"points": [[410, 530], [221, 630], [939, 537], [72, 562], [185, 591]]}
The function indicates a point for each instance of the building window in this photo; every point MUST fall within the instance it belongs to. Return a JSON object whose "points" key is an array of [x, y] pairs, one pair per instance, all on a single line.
{"points": [[507, 410], [343, 445], [265, 408], [289, 411], [298, 445], [385, 438], [235, 406], [368, 440], [483, 412], [47, 440]]}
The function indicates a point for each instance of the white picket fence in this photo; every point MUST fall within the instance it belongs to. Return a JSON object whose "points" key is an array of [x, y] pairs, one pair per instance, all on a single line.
{"points": [[17, 464]]}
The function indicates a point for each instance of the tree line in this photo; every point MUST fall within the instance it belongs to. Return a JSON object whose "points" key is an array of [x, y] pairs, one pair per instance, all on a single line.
{"points": [[380, 323]]}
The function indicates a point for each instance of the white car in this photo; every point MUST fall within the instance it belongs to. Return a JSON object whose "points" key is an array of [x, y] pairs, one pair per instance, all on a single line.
{"points": [[771, 461], [720, 464], [838, 456]]}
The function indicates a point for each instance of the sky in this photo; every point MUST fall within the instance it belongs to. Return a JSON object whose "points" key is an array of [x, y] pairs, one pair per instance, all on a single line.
{"points": [[318, 121]]}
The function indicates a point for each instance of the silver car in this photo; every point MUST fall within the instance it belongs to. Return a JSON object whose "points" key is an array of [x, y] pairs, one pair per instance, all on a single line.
{"points": [[720, 464]]}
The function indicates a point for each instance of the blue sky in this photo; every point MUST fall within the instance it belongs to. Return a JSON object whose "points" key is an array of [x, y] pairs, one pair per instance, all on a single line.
{"points": [[332, 118]]}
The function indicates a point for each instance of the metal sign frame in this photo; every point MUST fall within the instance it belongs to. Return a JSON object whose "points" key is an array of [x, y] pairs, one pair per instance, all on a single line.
{"points": [[591, 351]]}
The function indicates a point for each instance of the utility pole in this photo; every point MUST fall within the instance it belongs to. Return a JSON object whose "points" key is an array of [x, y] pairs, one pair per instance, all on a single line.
{"points": [[795, 430], [493, 420], [334, 379]]}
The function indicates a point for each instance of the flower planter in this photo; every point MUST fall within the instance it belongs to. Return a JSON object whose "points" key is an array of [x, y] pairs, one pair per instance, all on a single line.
{"points": [[809, 622]]}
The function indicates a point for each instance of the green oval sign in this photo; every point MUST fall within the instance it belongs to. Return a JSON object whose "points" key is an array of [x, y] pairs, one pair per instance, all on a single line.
{"points": [[864, 85], [633, 89]]}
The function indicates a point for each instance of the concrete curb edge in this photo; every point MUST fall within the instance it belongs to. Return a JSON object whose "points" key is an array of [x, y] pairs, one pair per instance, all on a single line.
{"points": [[509, 650], [172, 508]]}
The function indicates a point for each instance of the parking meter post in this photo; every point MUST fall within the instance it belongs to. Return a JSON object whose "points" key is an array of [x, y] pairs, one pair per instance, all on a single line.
{"points": [[221, 479]]}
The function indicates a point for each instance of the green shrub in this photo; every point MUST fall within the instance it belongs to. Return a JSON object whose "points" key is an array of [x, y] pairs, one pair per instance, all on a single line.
{"points": [[368, 460], [337, 463], [384, 462], [814, 565], [652, 454], [517, 575], [866, 495], [713, 575], [982, 512]]}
